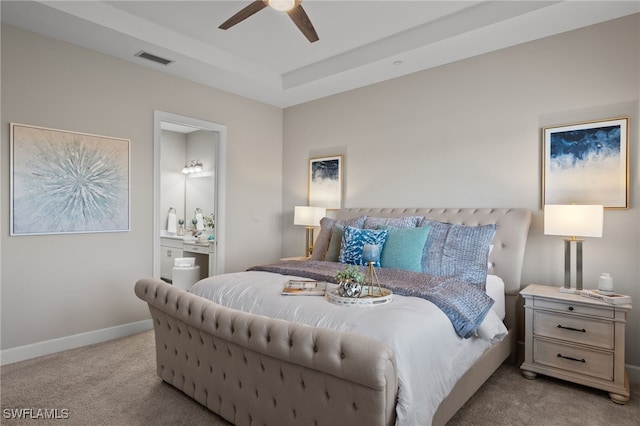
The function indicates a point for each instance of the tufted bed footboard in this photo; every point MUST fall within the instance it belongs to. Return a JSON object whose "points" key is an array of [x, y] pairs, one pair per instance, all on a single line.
{"points": [[252, 370]]}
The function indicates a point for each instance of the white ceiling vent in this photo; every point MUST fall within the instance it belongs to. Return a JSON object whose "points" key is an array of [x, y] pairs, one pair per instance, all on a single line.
{"points": [[154, 58]]}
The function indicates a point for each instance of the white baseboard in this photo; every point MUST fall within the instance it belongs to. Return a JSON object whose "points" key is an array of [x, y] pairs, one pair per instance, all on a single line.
{"points": [[33, 350]]}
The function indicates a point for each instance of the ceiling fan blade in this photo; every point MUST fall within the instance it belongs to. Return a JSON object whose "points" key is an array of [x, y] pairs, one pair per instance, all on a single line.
{"points": [[254, 7], [302, 21]]}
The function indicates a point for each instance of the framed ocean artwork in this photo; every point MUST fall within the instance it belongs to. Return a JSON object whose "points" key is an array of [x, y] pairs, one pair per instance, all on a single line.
{"points": [[67, 182], [587, 163], [325, 182]]}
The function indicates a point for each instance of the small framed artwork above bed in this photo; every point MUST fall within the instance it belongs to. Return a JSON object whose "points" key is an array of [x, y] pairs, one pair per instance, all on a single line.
{"points": [[251, 355], [325, 182]]}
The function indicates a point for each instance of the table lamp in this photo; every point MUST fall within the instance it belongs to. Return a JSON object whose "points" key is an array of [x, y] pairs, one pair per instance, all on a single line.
{"points": [[309, 217], [573, 221]]}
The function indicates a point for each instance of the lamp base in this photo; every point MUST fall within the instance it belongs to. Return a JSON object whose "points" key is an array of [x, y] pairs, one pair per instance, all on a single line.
{"points": [[569, 290]]}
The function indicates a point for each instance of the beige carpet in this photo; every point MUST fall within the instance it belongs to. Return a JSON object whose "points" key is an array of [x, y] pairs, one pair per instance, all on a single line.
{"points": [[115, 383]]}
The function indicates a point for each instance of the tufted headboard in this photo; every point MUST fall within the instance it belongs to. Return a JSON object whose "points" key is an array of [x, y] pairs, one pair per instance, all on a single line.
{"points": [[507, 255]]}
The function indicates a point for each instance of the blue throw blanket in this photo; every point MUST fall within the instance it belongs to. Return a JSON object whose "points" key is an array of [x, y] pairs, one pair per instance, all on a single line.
{"points": [[464, 304]]}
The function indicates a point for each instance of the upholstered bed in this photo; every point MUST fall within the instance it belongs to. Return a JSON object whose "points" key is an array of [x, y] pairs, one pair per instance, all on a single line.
{"points": [[253, 356]]}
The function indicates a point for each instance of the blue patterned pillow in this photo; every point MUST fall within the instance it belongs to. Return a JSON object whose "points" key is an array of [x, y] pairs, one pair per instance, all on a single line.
{"points": [[459, 251], [353, 241], [326, 229]]}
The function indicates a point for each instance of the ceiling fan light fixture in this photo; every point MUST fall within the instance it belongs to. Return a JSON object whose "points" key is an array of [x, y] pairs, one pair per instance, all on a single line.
{"points": [[293, 8], [282, 5]]}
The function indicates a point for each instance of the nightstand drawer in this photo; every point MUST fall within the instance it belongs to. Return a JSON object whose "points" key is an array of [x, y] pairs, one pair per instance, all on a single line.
{"points": [[574, 329], [578, 360], [564, 306]]}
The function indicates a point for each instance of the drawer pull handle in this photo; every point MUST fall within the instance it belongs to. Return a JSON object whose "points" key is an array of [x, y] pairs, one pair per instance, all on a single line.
{"points": [[571, 358], [572, 329], [571, 308]]}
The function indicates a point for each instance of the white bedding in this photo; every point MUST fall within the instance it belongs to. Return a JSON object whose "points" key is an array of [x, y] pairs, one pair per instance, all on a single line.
{"points": [[495, 290], [430, 356]]}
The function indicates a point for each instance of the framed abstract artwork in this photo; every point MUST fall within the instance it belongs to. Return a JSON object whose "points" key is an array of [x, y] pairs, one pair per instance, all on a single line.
{"points": [[325, 182], [67, 182], [587, 163]]}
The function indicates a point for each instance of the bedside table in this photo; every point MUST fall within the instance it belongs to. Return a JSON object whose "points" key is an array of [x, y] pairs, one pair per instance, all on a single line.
{"points": [[574, 338]]}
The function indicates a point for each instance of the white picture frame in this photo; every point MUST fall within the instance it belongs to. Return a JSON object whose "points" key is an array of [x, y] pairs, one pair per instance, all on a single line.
{"points": [[64, 182]]}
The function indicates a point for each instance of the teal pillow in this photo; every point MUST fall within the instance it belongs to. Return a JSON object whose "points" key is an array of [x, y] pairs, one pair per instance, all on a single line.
{"points": [[404, 248], [353, 241], [333, 252]]}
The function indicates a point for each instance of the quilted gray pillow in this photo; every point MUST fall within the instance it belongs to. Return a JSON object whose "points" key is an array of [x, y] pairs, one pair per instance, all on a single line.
{"points": [[395, 222], [459, 251]]}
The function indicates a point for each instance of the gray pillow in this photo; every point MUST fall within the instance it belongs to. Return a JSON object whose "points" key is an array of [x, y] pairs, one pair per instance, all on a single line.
{"points": [[396, 222], [333, 252], [459, 251]]}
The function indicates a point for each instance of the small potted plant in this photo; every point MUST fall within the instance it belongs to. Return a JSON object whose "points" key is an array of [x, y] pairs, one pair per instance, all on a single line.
{"points": [[350, 281]]}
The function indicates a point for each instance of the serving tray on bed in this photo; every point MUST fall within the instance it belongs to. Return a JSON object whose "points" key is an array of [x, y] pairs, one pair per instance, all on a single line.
{"points": [[364, 300]]}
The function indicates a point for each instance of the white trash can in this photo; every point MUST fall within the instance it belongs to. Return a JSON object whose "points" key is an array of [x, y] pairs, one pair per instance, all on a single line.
{"points": [[185, 278]]}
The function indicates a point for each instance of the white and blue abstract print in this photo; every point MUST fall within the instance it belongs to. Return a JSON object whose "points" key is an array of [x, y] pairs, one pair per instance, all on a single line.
{"points": [[65, 182], [584, 147], [587, 163]]}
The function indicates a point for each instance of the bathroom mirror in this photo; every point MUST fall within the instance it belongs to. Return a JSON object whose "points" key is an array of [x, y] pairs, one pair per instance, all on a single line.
{"points": [[189, 178]]}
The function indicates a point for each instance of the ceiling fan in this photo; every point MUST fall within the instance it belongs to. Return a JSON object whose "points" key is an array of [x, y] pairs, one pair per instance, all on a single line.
{"points": [[292, 7]]}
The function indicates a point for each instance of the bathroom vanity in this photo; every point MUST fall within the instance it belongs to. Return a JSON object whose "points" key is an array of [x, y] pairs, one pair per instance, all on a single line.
{"points": [[173, 246]]}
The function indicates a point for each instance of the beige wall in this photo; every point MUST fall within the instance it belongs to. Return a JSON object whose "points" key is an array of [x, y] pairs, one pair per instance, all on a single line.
{"points": [[468, 135], [465, 134], [60, 285]]}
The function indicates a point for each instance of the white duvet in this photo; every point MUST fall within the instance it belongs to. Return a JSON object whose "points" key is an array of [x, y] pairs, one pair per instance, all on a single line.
{"points": [[430, 356]]}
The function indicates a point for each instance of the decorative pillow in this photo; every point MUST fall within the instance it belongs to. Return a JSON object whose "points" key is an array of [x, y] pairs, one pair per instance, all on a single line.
{"points": [[333, 252], [459, 251], [353, 241], [396, 222], [404, 247], [326, 229]]}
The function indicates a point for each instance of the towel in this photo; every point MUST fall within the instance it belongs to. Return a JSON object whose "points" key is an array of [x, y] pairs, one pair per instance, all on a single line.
{"points": [[199, 222], [172, 226]]}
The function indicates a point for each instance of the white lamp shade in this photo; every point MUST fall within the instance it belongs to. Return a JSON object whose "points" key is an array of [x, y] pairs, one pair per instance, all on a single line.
{"points": [[573, 220], [308, 216]]}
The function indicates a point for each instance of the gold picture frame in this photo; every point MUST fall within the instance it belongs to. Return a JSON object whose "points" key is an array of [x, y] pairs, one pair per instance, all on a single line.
{"points": [[587, 163]]}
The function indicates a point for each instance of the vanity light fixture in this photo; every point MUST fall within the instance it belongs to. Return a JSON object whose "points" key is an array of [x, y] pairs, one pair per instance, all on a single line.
{"points": [[194, 167]]}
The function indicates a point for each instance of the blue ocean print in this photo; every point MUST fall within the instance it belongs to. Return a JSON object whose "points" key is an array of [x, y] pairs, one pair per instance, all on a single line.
{"points": [[583, 147], [325, 170]]}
